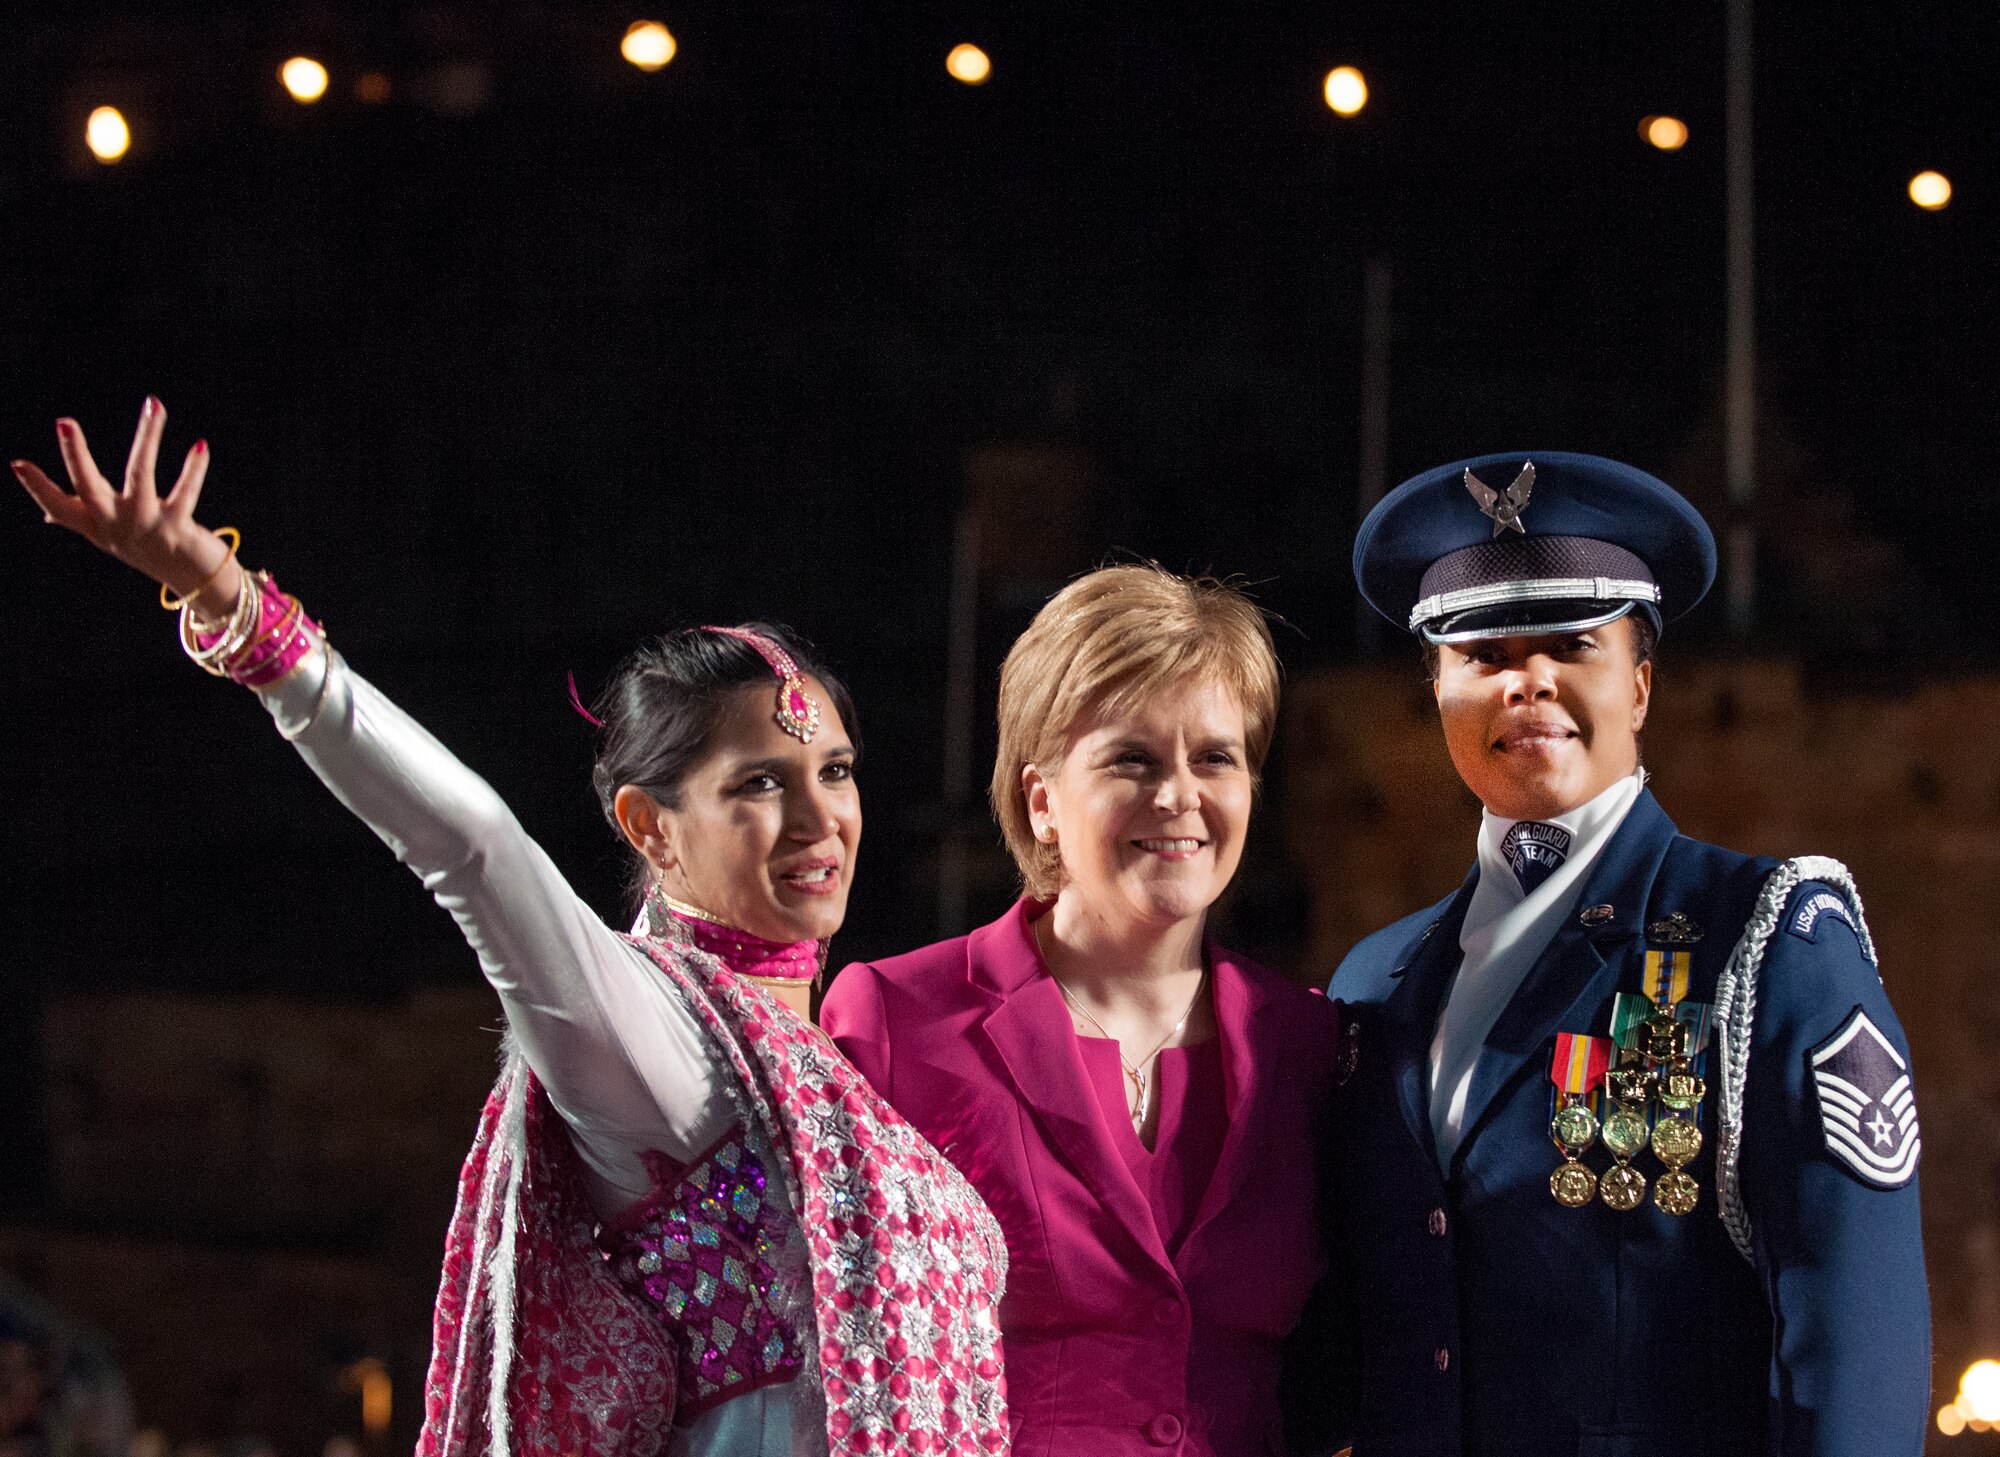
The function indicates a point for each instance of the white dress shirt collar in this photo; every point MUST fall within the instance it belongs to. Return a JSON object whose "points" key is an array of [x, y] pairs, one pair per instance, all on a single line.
{"points": [[1505, 932]]}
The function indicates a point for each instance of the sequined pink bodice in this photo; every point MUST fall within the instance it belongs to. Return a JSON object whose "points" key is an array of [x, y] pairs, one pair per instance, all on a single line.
{"points": [[699, 1253]]}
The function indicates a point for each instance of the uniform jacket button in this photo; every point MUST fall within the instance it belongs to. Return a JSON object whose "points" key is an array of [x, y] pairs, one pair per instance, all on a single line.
{"points": [[1164, 1429], [1443, 1358], [1438, 1225]]}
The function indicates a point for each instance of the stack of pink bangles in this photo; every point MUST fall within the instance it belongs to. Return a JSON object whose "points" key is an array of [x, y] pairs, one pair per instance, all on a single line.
{"points": [[265, 637]]}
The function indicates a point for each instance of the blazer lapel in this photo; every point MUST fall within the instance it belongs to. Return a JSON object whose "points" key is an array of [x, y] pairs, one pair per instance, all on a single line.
{"points": [[1238, 1002], [1031, 1032], [1410, 1012], [1573, 971]]}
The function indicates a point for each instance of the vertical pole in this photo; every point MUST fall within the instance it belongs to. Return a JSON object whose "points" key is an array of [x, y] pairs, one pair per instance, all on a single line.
{"points": [[960, 653], [1372, 474], [1740, 408]]}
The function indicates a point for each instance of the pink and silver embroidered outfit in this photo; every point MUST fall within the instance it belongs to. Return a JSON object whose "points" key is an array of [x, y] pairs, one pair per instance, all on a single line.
{"points": [[687, 1225]]}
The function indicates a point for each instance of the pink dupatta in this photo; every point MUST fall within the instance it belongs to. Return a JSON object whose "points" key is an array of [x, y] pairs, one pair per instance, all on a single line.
{"points": [[537, 1349]]}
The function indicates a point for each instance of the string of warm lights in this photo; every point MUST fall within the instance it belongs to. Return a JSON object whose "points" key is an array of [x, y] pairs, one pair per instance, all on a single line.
{"points": [[649, 46]]}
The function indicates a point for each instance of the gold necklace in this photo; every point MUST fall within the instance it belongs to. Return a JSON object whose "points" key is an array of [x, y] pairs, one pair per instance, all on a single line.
{"points": [[1141, 1075], [692, 912]]}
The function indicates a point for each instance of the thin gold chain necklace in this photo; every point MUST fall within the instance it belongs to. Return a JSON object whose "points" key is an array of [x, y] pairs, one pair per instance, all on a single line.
{"points": [[1142, 1074]]}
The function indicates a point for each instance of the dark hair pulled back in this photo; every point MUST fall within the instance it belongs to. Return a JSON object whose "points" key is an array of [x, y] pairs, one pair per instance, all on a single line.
{"points": [[660, 709]]}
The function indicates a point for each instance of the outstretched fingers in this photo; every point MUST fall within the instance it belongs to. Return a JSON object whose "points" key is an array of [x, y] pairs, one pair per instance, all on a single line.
{"points": [[58, 506], [181, 499], [145, 455], [88, 481]]}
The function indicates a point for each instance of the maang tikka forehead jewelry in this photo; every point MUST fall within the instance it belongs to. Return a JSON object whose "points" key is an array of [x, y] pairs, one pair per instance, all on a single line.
{"points": [[798, 710]]}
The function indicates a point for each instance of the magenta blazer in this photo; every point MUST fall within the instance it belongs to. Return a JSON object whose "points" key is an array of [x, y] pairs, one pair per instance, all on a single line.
{"points": [[1112, 1347]]}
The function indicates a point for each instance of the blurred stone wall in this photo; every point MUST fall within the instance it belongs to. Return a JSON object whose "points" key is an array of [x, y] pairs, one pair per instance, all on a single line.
{"points": [[1905, 789], [250, 1196]]}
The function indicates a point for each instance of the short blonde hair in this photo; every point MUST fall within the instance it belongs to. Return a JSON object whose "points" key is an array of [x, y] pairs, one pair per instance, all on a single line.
{"points": [[1103, 643]]}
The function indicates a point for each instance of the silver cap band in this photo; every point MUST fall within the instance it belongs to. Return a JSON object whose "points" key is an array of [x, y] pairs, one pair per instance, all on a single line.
{"points": [[1541, 589]]}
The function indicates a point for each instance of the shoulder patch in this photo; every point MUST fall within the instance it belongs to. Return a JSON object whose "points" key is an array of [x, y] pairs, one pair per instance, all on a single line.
{"points": [[1811, 909], [1867, 1112]]}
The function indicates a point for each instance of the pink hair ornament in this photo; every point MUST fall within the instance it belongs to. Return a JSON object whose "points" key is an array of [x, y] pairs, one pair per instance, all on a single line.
{"points": [[798, 710], [576, 702]]}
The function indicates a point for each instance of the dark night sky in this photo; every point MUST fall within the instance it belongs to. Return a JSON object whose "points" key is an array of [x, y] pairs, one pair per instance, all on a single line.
{"points": [[501, 393]]}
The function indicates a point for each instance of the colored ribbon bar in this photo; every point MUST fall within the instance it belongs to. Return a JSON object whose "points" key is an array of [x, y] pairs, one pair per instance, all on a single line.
{"points": [[1628, 1014], [1669, 970], [1580, 1062], [1698, 1018]]}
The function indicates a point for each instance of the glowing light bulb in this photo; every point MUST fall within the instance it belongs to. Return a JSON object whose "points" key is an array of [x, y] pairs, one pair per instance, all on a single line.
{"points": [[1979, 1392], [1931, 191], [1668, 133], [1346, 90], [1950, 1420], [305, 78], [106, 134], [969, 64], [648, 45]]}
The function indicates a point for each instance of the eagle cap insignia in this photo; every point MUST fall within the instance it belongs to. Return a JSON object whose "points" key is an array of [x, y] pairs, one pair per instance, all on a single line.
{"points": [[1504, 507], [1673, 930]]}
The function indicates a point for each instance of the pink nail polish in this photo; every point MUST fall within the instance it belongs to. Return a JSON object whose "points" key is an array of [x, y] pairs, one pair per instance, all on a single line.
{"points": [[152, 406], [65, 428], [201, 447]]}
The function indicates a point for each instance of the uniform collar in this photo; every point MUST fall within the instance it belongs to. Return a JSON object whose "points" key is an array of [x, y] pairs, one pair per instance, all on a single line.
{"points": [[1591, 826]]}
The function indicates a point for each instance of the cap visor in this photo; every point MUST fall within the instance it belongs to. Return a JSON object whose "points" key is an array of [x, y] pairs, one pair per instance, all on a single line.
{"points": [[1526, 619]]}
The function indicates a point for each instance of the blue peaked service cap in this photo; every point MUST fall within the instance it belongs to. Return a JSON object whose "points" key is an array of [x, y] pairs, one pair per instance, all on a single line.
{"points": [[1531, 542]]}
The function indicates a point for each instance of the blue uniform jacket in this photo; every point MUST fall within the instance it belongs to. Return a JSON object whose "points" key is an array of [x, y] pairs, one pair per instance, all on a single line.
{"points": [[1491, 1320]]}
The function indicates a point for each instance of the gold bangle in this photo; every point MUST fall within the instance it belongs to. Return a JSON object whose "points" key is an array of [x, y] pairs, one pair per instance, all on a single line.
{"points": [[235, 632], [235, 539]]}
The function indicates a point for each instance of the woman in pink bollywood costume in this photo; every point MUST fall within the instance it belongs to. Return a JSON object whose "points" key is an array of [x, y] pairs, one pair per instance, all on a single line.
{"points": [[1142, 1109], [687, 1226]]}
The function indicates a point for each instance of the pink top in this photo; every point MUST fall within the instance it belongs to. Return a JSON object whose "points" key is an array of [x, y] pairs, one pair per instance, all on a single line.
{"points": [[1122, 1340], [1174, 1173]]}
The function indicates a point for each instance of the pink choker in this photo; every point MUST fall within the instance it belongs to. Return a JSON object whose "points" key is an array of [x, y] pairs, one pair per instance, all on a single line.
{"points": [[667, 919]]}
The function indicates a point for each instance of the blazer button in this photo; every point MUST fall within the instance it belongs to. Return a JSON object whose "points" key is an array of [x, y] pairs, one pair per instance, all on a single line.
{"points": [[1443, 1358], [1164, 1429], [1168, 1311], [1438, 1223]]}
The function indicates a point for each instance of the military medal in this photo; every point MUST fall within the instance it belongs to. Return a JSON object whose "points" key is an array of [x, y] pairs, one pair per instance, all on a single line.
{"points": [[1574, 1127], [1576, 1071], [1625, 1130], [1677, 1136], [1650, 1072], [1676, 1140], [1573, 1184], [1623, 1187]]}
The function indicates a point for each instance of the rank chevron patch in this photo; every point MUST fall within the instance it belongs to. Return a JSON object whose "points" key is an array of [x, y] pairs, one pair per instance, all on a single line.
{"points": [[1867, 1110]]}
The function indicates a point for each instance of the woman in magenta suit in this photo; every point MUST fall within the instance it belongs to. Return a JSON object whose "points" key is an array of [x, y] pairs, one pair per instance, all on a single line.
{"points": [[1139, 1106]]}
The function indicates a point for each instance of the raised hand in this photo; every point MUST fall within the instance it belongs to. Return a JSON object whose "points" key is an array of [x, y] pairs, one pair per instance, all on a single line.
{"points": [[159, 537]]}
